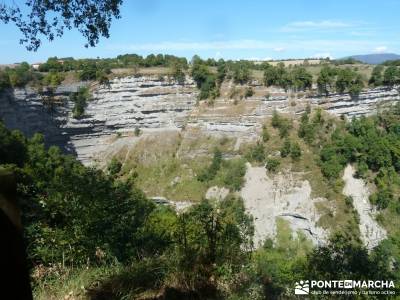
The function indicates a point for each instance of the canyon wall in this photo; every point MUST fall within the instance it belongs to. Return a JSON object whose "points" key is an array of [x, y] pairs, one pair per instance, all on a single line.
{"points": [[158, 106], [156, 103], [121, 106]]}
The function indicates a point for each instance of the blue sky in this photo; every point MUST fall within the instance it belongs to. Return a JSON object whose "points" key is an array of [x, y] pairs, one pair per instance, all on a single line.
{"points": [[232, 30]]}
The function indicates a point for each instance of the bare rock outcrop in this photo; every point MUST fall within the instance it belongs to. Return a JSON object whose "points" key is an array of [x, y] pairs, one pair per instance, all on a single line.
{"points": [[154, 103], [268, 197], [371, 232], [121, 106]]}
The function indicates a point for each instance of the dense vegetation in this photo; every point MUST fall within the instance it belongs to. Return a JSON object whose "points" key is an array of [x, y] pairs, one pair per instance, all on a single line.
{"points": [[80, 99], [373, 144], [81, 216], [337, 76], [297, 78], [17, 77]]}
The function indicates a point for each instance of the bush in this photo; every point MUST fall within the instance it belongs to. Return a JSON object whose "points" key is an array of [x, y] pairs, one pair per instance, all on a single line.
{"points": [[203, 250], [137, 131], [272, 164], [234, 172], [331, 169], [209, 173], [256, 153], [80, 99], [114, 167], [285, 150], [381, 198], [248, 92], [295, 151], [265, 134], [284, 125], [241, 73], [53, 79], [177, 73], [349, 201], [71, 212]]}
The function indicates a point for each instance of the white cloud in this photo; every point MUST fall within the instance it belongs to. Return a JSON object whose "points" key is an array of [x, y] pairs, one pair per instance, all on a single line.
{"points": [[279, 49], [380, 49], [318, 46], [180, 46], [253, 58], [322, 55], [314, 25]]}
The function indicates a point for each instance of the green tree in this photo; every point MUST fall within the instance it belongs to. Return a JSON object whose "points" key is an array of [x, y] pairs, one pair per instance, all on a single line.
{"points": [[376, 78], [114, 167], [265, 134], [272, 164], [241, 73], [178, 74], [344, 80], [209, 173], [53, 79], [390, 76], [80, 99], [50, 19], [295, 151], [285, 150], [70, 210], [356, 85], [211, 237], [257, 153], [302, 79], [221, 71], [326, 79]]}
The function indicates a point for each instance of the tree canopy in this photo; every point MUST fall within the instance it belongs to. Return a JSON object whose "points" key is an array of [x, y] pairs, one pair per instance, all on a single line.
{"points": [[49, 19]]}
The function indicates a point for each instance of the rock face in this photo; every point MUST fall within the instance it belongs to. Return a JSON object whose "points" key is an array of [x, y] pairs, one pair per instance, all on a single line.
{"points": [[153, 103], [121, 106], [218, 193], [371, 232], [364, 104], [267, 198]]}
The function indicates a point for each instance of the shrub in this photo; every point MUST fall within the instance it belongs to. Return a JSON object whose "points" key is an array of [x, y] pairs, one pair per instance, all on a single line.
{"points": [[285, 150], [272, 164], [209, 173], [137, 131], [295, 151], [248, 92], [70, 211], [283, 124], [80, 99], [256, 153], [381, 198], [265, 134], [234, 173], [348, 201], [114, 167]]}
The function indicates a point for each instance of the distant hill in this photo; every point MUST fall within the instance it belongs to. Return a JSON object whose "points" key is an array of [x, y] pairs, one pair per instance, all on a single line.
{"points": [[376, 58]]}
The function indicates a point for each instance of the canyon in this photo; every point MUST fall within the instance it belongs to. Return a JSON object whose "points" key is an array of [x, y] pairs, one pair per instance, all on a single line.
{"points": [[155, 103], [160, 107]]}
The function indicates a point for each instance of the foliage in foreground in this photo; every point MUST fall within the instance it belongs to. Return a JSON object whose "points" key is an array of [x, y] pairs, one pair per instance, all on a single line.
{"points": [[78, 217]]}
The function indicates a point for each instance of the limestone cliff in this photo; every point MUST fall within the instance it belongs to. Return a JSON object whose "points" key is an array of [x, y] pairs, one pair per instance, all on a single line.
{"points": [[155, 103], [162, 109]]}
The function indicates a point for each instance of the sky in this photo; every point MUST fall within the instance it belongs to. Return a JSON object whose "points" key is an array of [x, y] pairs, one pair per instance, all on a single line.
{"points": [[230, 29]]}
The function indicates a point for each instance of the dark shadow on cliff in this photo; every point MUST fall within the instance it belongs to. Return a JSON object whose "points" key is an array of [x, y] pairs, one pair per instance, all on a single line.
{"points": [[31, 115]]}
